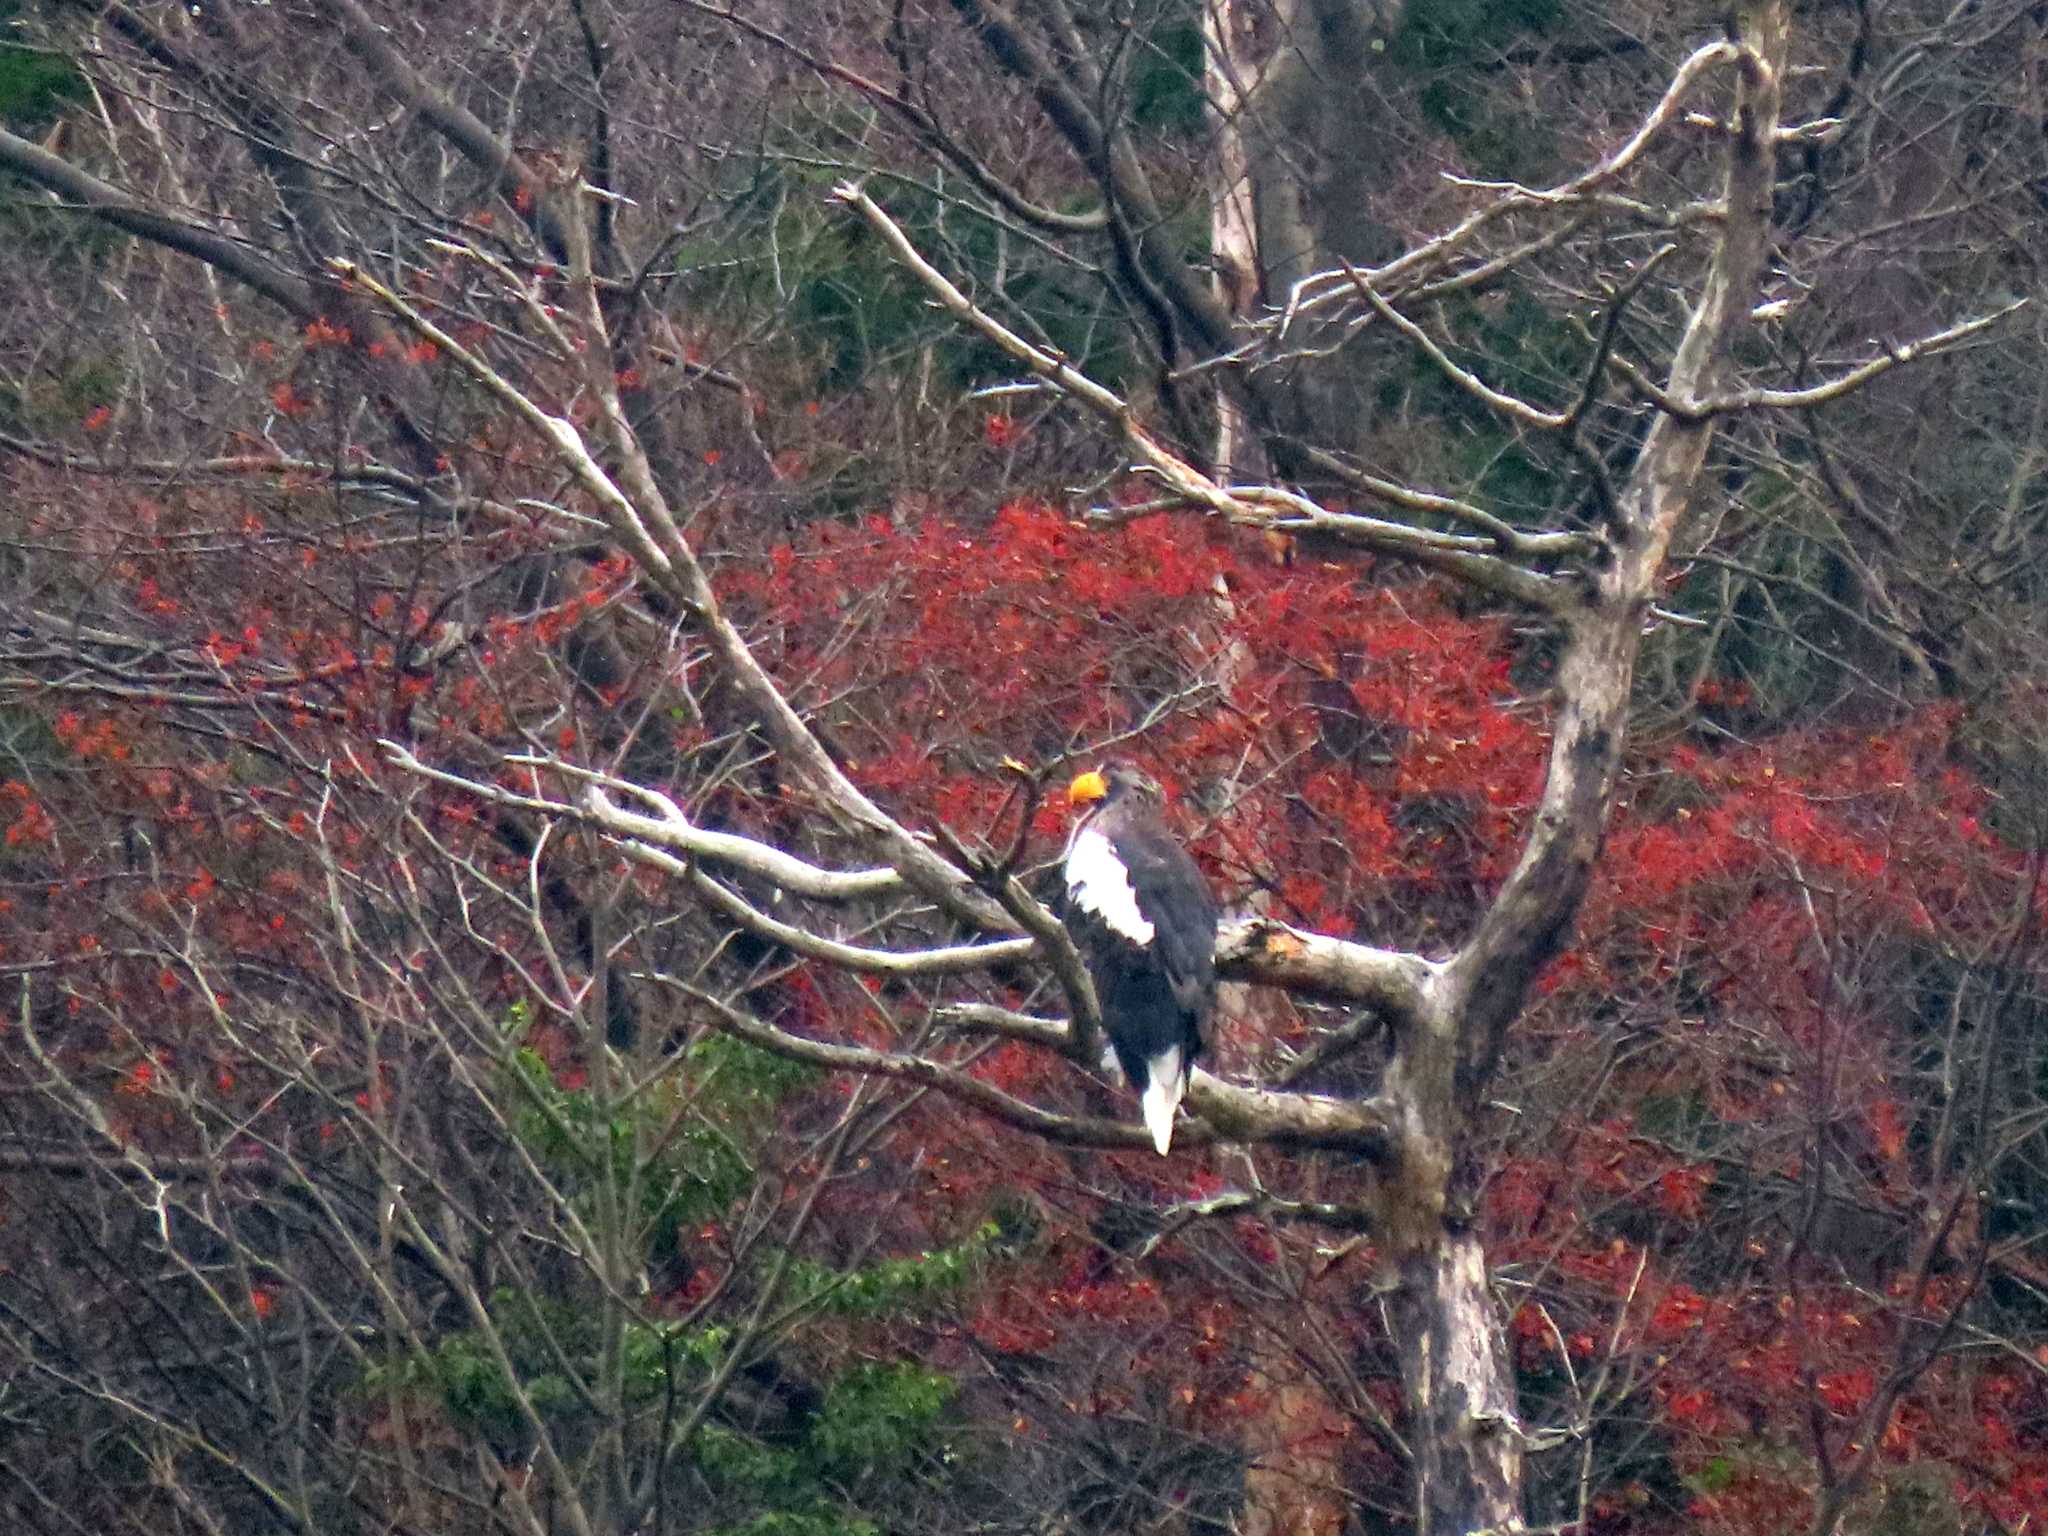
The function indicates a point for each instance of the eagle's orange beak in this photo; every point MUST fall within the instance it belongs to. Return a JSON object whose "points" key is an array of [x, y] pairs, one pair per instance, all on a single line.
{"points": [[1087, 788]]}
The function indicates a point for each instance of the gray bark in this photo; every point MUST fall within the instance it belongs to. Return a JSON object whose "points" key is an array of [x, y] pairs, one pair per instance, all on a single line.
{"points": [[1461, 1401], [1459, 1385]]}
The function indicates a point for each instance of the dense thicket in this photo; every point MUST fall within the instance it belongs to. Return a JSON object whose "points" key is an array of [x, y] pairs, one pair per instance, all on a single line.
{"points": [[539, 642]]}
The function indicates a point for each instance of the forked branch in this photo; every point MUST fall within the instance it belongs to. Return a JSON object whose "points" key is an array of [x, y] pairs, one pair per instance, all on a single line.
{"points": [[1224, 1111], [1471, 558]]}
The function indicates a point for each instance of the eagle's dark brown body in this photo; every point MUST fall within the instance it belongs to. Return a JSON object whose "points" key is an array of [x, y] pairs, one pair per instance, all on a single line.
{"points": [[1144, 921]]}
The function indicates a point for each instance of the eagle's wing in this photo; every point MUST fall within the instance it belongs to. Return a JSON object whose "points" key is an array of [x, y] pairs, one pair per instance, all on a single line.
{"points": [[1173, 894], [1146, 923]]}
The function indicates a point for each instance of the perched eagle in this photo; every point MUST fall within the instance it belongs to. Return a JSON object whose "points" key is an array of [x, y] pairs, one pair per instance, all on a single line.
{"points": [[1146, 924]]}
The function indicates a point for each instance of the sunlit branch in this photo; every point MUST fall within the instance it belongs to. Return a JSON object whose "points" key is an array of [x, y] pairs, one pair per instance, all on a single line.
{"points": [[1271, 953], [669, 842], [1291, 512], [1499, 534], [541, 316], [650, 534], [1261, 950], [670, 829], [951, 960], [1251, 1114], [1702, 59], [763, 860], [987, 1018], [623, 517], [1512, 406]]}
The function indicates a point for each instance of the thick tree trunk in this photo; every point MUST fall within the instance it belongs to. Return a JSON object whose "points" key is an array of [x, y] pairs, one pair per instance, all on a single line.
{"points": [[1313, 168], [1465, 1438], [1460, 1392], [1233, 65], [1289, 187]]}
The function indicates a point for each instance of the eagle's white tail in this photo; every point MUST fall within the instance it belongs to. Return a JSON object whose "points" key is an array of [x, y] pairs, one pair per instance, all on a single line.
{"points": [[1163, 1088]]}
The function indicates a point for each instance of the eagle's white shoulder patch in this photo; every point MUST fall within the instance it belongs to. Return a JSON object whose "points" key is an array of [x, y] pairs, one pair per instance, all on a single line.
{"points": [[1098, 883]]}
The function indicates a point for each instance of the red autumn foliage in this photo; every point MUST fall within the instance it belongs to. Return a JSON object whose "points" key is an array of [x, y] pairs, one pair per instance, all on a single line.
{"points": [[1718, 1189]]}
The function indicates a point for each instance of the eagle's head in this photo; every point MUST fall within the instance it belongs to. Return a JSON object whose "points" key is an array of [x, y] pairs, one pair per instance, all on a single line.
{"points": [[1111, 783]]}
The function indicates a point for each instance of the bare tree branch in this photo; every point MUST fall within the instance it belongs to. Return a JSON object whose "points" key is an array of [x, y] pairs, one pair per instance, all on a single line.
{"points": [[1674, 404], [1225, 1111], [1466, 557], [1522, 929], [117, 209]]}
